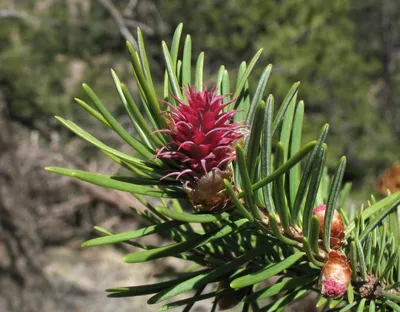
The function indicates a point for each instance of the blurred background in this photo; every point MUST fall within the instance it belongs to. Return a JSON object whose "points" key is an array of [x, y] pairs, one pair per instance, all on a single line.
{"points": [[346, 53]]}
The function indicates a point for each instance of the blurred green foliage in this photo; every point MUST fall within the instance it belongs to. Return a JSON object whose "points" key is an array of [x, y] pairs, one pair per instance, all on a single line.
{"points": [[345, 53]]}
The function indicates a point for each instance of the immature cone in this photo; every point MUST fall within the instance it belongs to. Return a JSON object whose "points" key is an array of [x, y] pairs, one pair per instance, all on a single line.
{"points": [[202, 146], [337, 230], [335, 275]]}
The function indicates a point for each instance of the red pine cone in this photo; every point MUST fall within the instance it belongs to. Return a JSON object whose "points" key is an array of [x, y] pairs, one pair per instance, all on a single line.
{"points": [[202, 146], [202, 135]]}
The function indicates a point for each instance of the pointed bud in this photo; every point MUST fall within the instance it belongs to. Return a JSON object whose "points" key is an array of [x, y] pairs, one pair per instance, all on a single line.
{"points": [[335, 275], [337, 230]]}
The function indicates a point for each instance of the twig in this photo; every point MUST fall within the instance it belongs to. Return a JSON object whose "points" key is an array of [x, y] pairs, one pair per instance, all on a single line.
{"points": [[130, 7], [146, 29], [4, 13], [120, 21]]}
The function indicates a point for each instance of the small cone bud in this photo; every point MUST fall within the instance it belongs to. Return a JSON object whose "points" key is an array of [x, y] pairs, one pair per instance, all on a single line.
{"points": [[335, 275], [337, 230], [209, 193]]}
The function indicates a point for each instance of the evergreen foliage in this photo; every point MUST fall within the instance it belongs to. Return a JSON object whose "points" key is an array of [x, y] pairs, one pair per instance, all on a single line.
{"points": [[345, 52], [334, 47], [267, 228]]}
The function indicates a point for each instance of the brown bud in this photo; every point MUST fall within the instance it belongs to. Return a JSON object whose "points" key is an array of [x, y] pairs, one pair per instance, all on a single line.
{"points": [[337, 230], [209, 192], [335, 275]]}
